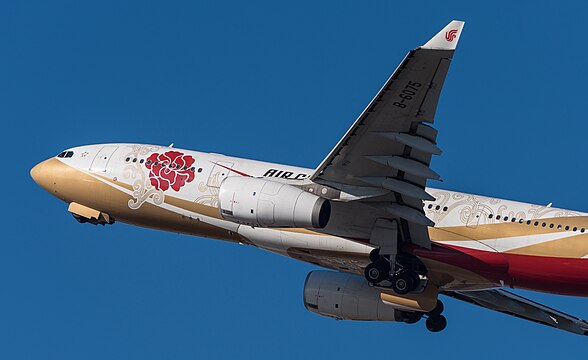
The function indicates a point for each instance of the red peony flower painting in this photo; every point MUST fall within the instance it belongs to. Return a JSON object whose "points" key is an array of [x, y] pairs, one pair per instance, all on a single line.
{"points": [[171, 169]]}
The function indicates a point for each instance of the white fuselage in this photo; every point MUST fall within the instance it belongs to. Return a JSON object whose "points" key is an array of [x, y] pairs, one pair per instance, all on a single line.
{"points": [[120, 180]]}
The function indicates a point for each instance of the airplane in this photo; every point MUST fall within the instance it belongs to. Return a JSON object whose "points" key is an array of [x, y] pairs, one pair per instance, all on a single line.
{"points": [[392, 244]]}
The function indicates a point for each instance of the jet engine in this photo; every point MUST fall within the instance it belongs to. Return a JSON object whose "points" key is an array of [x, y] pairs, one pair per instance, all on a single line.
{"points": [[349, 297], [264, 203], [345, 297]]}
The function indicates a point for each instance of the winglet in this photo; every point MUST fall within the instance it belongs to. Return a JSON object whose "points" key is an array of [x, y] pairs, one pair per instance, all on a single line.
{"points": [[447, 38]]}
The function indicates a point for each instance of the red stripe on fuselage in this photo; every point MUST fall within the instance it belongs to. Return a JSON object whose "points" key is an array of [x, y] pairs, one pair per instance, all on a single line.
{"points": [[233, 170], [565, 276]]}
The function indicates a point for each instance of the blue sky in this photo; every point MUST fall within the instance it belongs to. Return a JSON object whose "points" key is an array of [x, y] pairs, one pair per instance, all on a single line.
{"points": [[279, 82]]}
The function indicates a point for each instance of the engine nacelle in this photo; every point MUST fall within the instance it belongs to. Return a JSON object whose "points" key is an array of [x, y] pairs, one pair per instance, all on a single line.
{"points": [[264, 203], [346, 297]]}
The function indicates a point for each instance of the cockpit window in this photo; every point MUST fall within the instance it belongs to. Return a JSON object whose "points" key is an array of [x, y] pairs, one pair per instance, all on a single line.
{"points": [[65, 154]]}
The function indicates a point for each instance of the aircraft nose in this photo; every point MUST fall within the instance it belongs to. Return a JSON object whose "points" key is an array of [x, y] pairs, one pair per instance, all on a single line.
{"points": [[46, 174], [37, 172]]}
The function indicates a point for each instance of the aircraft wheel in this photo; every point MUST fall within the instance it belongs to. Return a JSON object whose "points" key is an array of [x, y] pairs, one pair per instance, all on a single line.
{"points": [[437, 310], [375, 255], [436, 323], [377, 271], [411, 317], [403, 282]]}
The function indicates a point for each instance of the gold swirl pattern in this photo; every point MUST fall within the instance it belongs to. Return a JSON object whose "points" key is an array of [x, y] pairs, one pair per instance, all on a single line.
{"points": [[476, 210], [211, 190], [142, 188]]}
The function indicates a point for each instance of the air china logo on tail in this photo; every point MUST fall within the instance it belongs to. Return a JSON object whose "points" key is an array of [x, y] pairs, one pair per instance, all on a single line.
{"points": [[451, 35]]}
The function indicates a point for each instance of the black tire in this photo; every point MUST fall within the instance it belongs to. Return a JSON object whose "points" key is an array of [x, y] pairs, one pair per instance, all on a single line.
{"points": [[411, 317], [377, 272], [375, 255], [402, 283], [436, 323], [416, 280], [438, 310]]}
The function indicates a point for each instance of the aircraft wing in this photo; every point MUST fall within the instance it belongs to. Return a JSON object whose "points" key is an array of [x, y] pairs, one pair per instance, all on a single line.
{"points": [[390, 145], [514, 305]]}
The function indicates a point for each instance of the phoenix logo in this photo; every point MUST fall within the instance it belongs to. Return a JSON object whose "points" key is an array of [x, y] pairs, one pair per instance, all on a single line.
{"points": [[451, 35]]}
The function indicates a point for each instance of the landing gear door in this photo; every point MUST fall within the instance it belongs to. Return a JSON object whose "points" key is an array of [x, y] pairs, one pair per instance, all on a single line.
{"points": [[101, 160], [219, 172]]}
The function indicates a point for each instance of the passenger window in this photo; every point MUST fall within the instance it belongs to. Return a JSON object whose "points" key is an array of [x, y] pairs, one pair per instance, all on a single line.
{"points": [[430, 205], [135, 160], [567, 228], [142, 161], [199, 170], [490, 216], [551, 226], [445, 208], [528, 222], [497, 217], [128, 159], [505, 218], [513, 220]]}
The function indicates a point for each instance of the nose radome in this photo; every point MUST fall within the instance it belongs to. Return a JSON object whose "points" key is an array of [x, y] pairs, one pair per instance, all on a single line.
{"points": [[47, 173], [37, 172]]}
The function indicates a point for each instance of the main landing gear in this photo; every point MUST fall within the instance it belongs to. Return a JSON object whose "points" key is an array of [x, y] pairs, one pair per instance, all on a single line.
{"points": [[405, 278], [435, 321], [402, 281], [409, 275]]}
